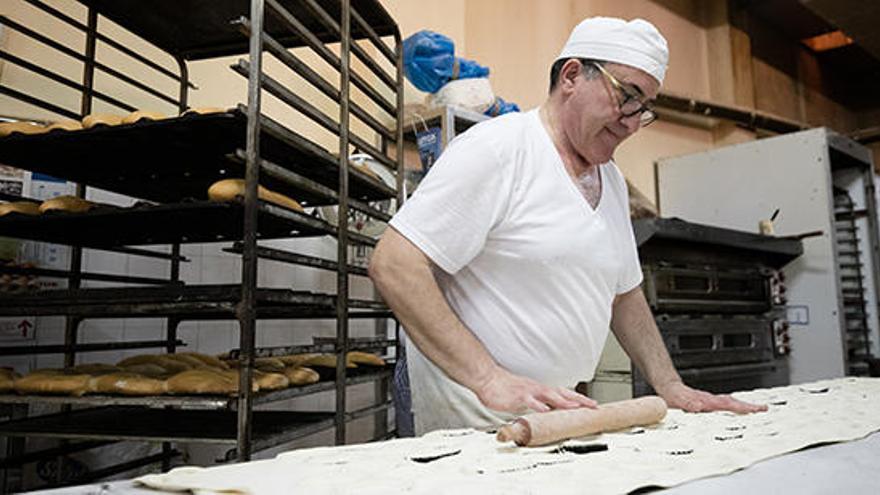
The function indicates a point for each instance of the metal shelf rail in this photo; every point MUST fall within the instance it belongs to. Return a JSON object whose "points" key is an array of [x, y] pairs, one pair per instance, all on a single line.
{"points": [[206, 148]]}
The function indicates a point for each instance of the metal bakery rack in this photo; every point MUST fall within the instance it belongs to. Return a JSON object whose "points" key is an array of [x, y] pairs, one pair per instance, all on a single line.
{"points": [[169, 165]]}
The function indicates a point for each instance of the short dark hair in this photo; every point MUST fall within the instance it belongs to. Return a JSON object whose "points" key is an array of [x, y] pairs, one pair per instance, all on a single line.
{"points": [[590, 71]]}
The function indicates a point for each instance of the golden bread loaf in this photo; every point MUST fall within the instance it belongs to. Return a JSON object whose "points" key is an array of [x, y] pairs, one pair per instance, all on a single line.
{"points": [[127, 383], [300, 375], [151, 370], [142, 115], [185, 359], [23, 207], [95, 369], [95, 119], [66, 125], [204, 110], [326, 361], [202, 381], [230, 189], [206, 359], [297, 359], [8, 128], [358, 357], [170, 365], [271, 381], [53, 382], [7, 380], [67, 203]]}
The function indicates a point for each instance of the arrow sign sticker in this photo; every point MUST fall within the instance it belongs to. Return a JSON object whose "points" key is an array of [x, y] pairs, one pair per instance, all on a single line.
{"points": [[17, 328]]}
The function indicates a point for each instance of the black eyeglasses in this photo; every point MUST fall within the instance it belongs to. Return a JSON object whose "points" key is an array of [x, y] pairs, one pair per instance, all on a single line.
{"points": [[630, 104]]}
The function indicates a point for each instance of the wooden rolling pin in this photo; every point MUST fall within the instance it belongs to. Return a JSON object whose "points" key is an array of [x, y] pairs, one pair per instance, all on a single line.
{"points": [[544, 428]]}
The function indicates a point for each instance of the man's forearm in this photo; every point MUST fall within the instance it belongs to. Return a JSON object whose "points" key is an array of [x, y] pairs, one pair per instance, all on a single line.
{"points": [[635, 329], [404, 277]]}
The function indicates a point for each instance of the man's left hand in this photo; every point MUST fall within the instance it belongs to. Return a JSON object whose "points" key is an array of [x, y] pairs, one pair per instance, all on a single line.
{"points": [[680, 396]]}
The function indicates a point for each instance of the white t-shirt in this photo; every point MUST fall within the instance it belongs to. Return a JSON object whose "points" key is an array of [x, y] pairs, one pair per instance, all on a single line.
{"points": [[528, 265]]}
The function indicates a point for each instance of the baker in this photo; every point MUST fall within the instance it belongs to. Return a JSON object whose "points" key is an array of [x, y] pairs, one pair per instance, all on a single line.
{"points": [[515, 256]]}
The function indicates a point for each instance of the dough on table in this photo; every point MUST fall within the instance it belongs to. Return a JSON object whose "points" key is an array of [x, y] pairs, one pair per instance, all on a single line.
{"points": [[300, 375], [229, 189], [67, 203], [9, 128], [53, 382], [142, 115], [96, 119], [683, 447], [127, 383], [23, 207], [368, 358]]}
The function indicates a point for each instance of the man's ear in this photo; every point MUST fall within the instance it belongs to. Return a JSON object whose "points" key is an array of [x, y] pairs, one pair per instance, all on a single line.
{"points": [[571, 69]]}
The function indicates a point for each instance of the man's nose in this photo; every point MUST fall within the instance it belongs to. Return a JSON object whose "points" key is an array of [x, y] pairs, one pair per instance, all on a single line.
{"points": [[631, 123]]}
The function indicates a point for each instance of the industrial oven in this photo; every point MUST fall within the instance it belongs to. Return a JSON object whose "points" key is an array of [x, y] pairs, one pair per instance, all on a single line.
{"points": [[718, 297]]}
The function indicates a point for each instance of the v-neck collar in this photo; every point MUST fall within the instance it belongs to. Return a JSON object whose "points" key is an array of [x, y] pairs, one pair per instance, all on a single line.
{"points": [[559, 165]]}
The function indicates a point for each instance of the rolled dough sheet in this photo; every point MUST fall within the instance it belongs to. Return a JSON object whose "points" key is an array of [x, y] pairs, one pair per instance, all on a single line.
{"points": [[683, 447]]}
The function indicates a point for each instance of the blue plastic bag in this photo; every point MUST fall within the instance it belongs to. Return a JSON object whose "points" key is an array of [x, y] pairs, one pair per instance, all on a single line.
{"points": [[500, 107], [429, 62]]}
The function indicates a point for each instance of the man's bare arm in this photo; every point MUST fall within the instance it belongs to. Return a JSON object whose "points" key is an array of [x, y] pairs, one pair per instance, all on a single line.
{"points": [[405, 278], [634, 326]]}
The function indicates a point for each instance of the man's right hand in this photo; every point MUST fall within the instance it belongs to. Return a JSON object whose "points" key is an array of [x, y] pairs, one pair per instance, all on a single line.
{"points": [[504, 391]]}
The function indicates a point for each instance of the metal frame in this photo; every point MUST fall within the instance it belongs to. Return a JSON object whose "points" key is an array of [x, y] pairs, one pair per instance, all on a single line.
{"points": [[248, 303]]}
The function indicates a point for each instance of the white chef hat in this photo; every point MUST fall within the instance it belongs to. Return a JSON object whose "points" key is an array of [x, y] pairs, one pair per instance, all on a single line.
{"points": [[636, 43]]}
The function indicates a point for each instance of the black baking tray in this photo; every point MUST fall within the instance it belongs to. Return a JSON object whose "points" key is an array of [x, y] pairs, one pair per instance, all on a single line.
{"points": [[145, 224], [174, 159], [200, 29]]}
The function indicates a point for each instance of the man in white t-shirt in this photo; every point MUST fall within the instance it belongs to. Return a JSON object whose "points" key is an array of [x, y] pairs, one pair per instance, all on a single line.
{"points": [[516, 254]]}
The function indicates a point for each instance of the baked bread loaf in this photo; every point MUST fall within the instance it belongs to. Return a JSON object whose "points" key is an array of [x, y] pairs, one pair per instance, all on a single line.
{"points": [[127, 383], [358, 357], [95, 369], [202, 381], [142, 115], [67, 203], [204, 110], [23, 207], [8, 128], [206, 359], [296, 359], [53, 382], [230, 189], [95, 119], [150, 370], [189, 361], [326, 361], [271, 381], [168, 364], [66, 125], [7, 380], [300, 375]]}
